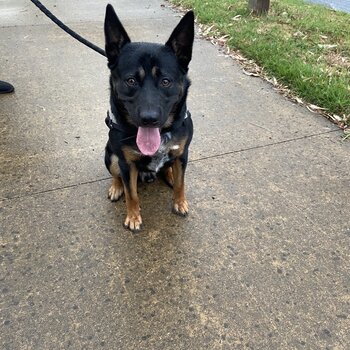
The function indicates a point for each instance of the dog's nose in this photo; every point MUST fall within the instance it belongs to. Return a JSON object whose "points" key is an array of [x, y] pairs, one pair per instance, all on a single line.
{"points": [[149, 118]]}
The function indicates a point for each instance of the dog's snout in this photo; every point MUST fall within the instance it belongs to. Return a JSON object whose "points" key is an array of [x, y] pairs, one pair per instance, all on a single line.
{"points": [[149, 118]]}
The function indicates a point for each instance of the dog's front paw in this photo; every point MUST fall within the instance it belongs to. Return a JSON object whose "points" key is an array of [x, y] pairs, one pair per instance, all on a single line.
{"points": [[115, 191], [133, 222], [181, 207]]}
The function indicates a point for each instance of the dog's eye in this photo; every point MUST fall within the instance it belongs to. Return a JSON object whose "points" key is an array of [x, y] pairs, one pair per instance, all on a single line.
{"points": [[131, 81], [165, 82]]}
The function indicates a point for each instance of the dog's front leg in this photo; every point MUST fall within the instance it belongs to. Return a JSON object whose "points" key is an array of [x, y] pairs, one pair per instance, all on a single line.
{"points": [[133, 219], [180, 205]]}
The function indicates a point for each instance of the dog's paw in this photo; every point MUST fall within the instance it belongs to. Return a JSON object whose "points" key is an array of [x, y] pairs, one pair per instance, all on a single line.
{"points": [[115, 192], [133, 222], [181, 207]]}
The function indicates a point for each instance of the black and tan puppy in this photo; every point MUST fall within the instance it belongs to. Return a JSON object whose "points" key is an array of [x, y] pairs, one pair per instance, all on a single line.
{"points": [[150, 127]]}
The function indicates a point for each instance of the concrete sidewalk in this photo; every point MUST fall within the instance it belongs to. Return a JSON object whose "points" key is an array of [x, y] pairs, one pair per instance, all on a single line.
{"points": [[262, 261]]}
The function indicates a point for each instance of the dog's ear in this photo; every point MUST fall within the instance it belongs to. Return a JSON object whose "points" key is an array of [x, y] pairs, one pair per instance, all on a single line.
{"points": [[115, 35], [181, 40]]}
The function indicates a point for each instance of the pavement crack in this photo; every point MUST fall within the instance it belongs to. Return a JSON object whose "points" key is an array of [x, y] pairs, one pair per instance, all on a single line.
{"points": [[262, 146], [31, 194], [26, 195]]}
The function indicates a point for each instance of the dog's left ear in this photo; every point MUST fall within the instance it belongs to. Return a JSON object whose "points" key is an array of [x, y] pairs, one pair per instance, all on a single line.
{"points": [[181, 40]]}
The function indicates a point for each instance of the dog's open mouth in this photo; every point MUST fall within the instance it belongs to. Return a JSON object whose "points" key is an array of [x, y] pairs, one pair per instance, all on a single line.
{"points": [[148, 140]]}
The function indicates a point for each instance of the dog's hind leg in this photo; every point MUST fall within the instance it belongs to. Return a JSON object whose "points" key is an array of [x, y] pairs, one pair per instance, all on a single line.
{"points": [[180, 204]]}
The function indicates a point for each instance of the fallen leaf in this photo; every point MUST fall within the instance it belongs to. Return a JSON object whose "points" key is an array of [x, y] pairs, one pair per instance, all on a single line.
{"points": [[208, 30], [316, 107], [337, 117], [327, 46], [298, 34], [251, 74]]}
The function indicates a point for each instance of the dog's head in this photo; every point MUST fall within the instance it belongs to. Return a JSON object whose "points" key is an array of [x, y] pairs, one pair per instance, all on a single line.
{"points": [[148, 81]]}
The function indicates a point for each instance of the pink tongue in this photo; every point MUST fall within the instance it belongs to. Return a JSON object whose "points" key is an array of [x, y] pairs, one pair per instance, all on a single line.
{"points": [[148, 140]]}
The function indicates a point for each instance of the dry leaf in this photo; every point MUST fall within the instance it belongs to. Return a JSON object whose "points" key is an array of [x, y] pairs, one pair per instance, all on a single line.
{"points": [[251, 74], [208, 30], [316, 107], [236, 18], [327, 46], [337, 117], [298, 34]]}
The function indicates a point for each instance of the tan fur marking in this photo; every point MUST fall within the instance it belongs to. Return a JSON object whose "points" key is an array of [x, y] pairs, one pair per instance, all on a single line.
{"points": [[142, 73], [169, 175], [133, 218], [128, 118], [180, 150], [182, 90], [114, 168], [130, 154], [155, 71], [169, 121], [180, 204]]}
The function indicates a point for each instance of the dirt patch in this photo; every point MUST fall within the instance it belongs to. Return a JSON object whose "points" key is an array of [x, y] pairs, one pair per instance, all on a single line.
{"points": [[336, 60]]}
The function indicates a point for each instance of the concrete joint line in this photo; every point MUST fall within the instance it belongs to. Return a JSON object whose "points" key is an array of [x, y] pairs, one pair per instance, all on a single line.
{"points": [[191, 161], [262, 146]]}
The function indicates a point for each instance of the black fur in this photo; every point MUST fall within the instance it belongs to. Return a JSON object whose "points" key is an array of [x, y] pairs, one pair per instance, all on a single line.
{"points": [[148, 86]]}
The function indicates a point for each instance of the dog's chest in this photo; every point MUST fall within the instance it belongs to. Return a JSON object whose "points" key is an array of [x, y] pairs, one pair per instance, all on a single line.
{"points": [[158, 161], [162, 156]]}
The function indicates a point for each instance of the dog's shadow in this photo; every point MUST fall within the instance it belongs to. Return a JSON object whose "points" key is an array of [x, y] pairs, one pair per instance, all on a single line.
{"points": [[156, 210]]}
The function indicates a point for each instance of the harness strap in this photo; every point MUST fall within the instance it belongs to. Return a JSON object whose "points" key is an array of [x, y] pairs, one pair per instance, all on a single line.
{"points": [[111, 122]]}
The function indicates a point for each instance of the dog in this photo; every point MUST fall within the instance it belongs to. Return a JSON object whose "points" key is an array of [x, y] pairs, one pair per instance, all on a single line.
{"points": [[150, 126]]}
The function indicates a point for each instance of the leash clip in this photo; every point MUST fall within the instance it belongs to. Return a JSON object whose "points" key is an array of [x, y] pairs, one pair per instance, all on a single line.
{"points": [[108, 121], [111, 121]]}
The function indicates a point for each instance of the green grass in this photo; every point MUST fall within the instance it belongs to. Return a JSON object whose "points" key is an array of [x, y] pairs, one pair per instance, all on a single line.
{"points": [[291, 43]]}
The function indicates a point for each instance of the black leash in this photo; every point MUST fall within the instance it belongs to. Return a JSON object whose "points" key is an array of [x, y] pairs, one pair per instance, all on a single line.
{"points": [[75, 35]]}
